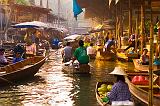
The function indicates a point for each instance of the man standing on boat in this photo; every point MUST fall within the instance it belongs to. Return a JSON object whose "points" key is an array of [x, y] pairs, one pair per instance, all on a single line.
{"points": [[67, 53], [81, 54], [110, 44]]}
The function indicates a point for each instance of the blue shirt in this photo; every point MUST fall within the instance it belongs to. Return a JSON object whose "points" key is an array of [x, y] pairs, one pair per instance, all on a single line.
{"points": [[120, 92], [17, 59], [108, 44]]}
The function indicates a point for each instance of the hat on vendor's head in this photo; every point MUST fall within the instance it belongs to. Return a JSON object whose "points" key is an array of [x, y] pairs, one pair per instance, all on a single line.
{"points": [[118, 71]]}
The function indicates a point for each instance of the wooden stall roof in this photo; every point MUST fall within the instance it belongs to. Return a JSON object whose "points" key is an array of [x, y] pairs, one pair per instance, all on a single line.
{"points": [[99, 8], [31, 8]]}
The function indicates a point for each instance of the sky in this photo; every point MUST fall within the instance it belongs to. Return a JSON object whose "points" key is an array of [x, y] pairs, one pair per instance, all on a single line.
{"points": [[66, 6]]}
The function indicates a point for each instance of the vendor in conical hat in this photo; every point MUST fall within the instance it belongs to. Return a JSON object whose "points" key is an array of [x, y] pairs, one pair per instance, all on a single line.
{"points": [[120, 90]]}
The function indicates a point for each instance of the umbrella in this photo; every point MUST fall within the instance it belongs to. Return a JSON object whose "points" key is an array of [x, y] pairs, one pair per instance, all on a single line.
{"points": [[72, 37], [33, 24]]}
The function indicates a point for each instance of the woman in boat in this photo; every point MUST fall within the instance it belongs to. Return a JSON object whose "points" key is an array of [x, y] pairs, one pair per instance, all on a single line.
{"points": [[81, 54], [67, 53], [3, 60], [144, 58], [120, 90]]}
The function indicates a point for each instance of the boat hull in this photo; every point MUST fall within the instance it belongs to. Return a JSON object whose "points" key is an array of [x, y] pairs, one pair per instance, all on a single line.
{"points": [[141, 67], [17, 72], [141, 94], [83, 69], [127, 57], [105, 56]]}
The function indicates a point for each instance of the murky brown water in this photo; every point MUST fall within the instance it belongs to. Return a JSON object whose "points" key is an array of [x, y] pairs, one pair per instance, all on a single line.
{"points": [[52, 87]]}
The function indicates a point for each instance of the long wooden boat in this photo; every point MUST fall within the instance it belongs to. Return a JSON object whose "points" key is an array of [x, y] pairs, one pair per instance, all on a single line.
{"points": [[21, 70], [127, 57], [105, 55], [99, 99], [82, 69], [141, 91], [141, 67]]}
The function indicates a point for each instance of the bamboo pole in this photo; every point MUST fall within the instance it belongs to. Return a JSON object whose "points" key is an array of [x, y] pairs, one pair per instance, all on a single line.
{"points": [[130, 18], [150, 100], [136, 35], [116, 32], [142, 26], [121, 24]]}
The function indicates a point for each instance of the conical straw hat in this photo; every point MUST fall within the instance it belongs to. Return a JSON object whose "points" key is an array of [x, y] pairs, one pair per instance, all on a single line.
{"points": [[118, 71]]}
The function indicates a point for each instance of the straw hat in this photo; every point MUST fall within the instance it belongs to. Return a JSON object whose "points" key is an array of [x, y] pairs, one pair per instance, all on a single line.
{"points": [[118, 71]]}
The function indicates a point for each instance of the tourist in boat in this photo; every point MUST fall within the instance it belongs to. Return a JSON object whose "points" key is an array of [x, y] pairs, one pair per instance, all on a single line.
{"points": [[18, 57], [81, 54], [67, 53], [91, 51], [3, 60], [120, 90], [19, 48], [144, 57]]}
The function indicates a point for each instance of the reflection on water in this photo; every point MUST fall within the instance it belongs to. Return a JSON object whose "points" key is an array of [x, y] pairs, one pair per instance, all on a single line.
{"points": [[52, 87]]}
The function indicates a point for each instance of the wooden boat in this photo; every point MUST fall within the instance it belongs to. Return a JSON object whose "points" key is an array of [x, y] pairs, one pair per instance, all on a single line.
{"points": [[127, 57], [82, 69], [21, 70], [141, 67], [99, 99], [105, 55], [141, 91]]}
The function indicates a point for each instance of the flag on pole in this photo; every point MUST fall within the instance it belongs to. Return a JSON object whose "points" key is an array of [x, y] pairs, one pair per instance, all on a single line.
{"points": [[116, 1], [76, 9], [110, 2]]}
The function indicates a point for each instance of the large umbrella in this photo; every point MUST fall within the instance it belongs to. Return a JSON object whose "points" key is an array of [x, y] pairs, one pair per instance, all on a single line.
{"points": [[33, 24], [72, 37]]}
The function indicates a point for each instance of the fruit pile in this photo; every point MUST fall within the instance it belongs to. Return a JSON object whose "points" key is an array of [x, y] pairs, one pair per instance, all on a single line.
{"points": [[103, 91]]}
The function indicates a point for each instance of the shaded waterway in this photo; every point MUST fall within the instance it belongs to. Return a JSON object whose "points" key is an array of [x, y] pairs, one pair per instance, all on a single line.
{"points": [[52, 87]]}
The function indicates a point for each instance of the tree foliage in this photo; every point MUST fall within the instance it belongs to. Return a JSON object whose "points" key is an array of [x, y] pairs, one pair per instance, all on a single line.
{"points": [[23, 2]]}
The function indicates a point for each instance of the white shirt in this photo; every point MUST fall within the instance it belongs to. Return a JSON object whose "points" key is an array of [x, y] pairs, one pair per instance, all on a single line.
{"points": [[90, 50]]}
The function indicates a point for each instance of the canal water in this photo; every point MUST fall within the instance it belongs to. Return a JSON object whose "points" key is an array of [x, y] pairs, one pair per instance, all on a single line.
{"points": [[52, 87]]}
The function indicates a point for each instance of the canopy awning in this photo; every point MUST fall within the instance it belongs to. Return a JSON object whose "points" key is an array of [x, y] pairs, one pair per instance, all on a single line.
{"points": [[72, 37], [33, 24]]}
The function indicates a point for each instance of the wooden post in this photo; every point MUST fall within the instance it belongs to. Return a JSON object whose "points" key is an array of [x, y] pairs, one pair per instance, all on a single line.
{"points": [[130, 18], [150, 100], [121, 24], [47, 4], [116, 32], [142, 26], [136, 35]]}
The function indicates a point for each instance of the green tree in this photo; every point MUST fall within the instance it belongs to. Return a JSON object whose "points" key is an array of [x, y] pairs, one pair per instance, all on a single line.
{"points": [[23, 2]]}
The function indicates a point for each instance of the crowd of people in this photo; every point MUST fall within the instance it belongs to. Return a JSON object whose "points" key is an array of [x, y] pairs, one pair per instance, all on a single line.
{"points": [[86, 50]]}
